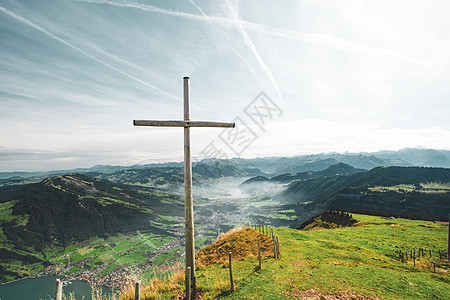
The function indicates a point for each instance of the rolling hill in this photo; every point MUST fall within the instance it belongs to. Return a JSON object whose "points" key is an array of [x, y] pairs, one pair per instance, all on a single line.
{"points": [[357, 262], [415, 192]]}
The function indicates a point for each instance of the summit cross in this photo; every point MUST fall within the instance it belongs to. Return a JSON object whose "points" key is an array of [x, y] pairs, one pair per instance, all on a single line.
{"points": [[189, 206]]}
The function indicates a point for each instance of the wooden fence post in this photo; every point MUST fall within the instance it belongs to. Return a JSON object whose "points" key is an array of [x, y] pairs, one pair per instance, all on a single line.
{"points": [[58, 289], [137, 290], [448, 240], [274, 248], [188, 283], [278, 247], [259, 253], [231, 272]]}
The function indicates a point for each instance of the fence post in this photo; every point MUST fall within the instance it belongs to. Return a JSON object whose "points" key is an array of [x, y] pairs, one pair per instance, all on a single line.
{"points": [[274, 248], [259, 253], [448, 240], [58, 289], [278, 247], [137, 290], [231, 272], [188, 283]]}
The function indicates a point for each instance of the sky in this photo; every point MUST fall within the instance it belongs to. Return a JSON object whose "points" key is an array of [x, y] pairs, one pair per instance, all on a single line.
{"points": [[297, 77]]}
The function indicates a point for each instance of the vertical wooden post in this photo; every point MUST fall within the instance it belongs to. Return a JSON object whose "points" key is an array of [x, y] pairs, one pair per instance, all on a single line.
{"points": [[58, 289], [231, 272], [259, 253], [188, 283], [189, 205], [137, 290], [448, 240], [274, 248], [278, 247], [434, 267]]}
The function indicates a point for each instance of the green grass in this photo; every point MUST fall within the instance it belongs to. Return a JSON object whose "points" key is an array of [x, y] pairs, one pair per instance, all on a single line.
{"points": [[431, 187], [352, 263], [7, 216]]}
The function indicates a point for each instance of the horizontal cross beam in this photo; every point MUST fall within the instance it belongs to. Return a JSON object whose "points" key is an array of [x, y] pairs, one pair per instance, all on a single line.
{"points": [[182, 123]]}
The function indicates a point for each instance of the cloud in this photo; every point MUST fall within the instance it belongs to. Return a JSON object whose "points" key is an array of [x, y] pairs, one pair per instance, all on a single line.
{"points": [[255, 52], [318, 136], [55, 37], [327, 39]]}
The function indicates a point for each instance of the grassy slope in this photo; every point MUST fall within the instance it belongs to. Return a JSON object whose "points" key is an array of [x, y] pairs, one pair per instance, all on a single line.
{"points": [[351, 262]]}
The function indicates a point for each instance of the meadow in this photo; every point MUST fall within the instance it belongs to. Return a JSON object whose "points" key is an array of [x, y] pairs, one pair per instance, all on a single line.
{"points": [[345, 263]]}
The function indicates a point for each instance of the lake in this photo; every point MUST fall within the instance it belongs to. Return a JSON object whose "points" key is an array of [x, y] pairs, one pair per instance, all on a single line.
{"points": [[44, 288]]}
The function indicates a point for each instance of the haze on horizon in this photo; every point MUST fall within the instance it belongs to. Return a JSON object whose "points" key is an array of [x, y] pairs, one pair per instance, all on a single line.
{"points": [[356, 76]]}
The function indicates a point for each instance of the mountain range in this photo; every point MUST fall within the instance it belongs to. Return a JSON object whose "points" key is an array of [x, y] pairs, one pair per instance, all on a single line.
{"points": [[274, 165], [38, 211]]}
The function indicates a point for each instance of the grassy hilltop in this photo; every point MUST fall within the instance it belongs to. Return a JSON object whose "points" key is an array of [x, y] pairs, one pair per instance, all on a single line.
{"points": [[358, 262]]}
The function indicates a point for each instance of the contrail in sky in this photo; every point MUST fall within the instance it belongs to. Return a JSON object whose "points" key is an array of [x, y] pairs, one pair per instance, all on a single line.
{"points": [[232, 48], [53, 36], [335, 42], [252, 47], [248, 64]]}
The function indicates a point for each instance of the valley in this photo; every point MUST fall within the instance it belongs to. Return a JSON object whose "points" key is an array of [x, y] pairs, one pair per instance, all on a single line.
{"points": [[108, 228]]}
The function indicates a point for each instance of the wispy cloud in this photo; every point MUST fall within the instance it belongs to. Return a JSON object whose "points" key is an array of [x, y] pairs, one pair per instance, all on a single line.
{"points": [[255, 52], [55, 37], [333, 41], [247, 63]]}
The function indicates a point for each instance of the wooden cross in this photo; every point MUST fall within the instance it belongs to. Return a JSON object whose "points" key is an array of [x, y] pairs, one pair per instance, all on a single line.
{"points": [[189, 207]]}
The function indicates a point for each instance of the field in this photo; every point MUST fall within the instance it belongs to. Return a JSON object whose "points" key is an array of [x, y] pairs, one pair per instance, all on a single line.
{"points": [[350, 263], [429, 188]]}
